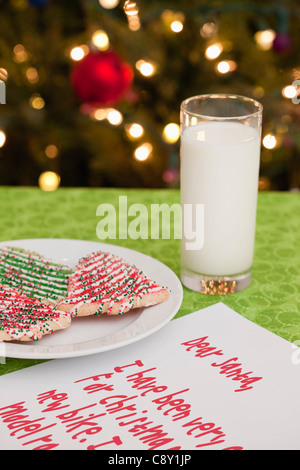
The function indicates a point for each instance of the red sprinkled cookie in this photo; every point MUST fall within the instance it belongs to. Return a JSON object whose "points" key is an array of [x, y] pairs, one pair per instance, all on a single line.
{"points": [[105, 283], [26, 319]]}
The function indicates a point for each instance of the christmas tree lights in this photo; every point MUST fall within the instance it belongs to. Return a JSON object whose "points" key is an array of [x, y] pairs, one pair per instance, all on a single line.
{"points": [[109, 76]]}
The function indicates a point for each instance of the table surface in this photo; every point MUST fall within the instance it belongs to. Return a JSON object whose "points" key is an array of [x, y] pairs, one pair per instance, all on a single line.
{"points": [[273, 298]]}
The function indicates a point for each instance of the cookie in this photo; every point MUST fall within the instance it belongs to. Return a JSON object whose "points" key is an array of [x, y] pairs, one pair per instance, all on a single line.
{"points": [[103, 283], [33, 274], [23, 318]]}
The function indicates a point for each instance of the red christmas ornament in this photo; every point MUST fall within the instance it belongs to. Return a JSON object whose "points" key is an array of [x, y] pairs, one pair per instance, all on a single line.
{"points": [[101, 78]]}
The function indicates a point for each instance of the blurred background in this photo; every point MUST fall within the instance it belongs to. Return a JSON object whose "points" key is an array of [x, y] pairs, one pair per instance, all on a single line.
{"points": [[93, 87]]}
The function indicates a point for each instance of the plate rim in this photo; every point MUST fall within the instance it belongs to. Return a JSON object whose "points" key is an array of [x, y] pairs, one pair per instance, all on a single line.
{"points": [[177, 299]]}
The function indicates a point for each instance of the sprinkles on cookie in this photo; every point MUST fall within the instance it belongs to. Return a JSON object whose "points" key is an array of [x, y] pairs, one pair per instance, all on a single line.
{"points": [[26, 319], [33, 274], [105, 283]]}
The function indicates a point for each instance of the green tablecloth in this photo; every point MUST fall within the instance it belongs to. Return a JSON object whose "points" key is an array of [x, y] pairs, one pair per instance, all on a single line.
{"points": [[272, 300]]}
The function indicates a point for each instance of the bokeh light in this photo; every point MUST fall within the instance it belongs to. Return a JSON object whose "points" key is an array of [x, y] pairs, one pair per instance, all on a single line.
{"points": [[143, 152], [269, 141], [226, 66], [109, 4], [171, 132], [135, 130], [51, 151], [289, 91], [32, 75], [264, 39], [176, 26], [79, 52], [145, 68], [36, 101], [213, 51], [49, 181], [114, 117], [101, 40], [2, 138]]}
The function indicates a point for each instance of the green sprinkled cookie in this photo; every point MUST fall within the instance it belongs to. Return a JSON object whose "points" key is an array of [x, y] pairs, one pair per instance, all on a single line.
{"points": [[33, 274]]}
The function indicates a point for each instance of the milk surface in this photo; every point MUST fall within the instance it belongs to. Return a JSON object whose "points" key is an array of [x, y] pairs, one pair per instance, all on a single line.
{"points": [[219, 168]]}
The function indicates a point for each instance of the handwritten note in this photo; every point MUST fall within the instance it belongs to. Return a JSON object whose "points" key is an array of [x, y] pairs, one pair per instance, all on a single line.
{"points": [[209, 380]]}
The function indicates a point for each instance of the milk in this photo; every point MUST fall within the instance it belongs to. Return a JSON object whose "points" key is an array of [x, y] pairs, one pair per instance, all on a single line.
{"points": [[219, 168]]}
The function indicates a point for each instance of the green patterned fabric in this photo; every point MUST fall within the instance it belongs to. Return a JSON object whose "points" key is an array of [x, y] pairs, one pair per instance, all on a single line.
{"points": [[273, 298]]}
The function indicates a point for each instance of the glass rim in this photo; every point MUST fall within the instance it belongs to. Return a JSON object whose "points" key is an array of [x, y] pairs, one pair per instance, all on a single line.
{"points": [[184, 103]]}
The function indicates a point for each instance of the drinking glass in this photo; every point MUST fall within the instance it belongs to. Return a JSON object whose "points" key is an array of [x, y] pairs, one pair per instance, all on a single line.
{"points": [[219, 158]]}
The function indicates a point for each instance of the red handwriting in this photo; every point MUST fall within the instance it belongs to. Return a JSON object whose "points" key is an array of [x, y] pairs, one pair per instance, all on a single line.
{"points": [[203, 348], [205, 429], [141, 427], [15, 417], [79, 426], [230, 368], [171, 404], [84, 425], [77, 423], [140, 381], [55, 399], [130, 411]]}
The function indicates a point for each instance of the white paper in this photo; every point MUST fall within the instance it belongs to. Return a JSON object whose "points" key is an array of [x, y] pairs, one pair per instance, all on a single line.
{"points": [[209, 380]]}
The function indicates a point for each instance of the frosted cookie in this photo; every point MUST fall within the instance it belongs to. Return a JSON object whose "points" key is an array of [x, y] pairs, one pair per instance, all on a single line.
{"points": [[26, 319], [33, 274], [105, 283]]}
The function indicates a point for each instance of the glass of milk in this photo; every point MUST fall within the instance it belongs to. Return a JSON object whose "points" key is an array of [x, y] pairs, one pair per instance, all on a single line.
{"points": [[220, 156]]}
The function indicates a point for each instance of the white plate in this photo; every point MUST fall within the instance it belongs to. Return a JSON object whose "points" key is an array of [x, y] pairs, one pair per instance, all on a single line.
{"points": [[94, 334]]}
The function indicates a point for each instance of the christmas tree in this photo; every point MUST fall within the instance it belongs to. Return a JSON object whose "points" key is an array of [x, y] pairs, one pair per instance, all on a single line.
{"points": [[93, 87]]}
